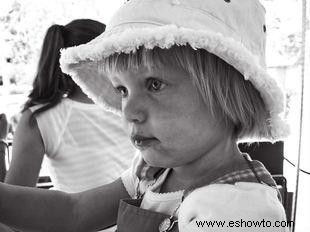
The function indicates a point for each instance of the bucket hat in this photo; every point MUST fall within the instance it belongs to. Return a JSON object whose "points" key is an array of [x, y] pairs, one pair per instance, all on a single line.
{"points": [[233, 30]]}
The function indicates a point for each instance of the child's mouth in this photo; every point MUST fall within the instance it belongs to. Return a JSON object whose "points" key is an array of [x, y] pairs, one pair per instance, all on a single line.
{"points": [[142, 142]]}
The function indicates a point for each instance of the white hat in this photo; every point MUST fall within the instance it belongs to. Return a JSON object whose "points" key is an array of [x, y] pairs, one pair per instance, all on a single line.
{"points": [[234, 30]]}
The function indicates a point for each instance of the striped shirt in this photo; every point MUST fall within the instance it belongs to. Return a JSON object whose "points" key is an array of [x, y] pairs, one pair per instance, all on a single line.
{"points": [[85, 146]]}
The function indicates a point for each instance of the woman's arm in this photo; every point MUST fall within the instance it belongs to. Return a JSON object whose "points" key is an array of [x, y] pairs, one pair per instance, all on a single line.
{"points": [[27, 154], [32, 209]]}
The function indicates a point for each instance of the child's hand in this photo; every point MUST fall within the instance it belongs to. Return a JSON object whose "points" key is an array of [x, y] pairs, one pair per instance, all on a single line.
{"points": [[4, 126]]}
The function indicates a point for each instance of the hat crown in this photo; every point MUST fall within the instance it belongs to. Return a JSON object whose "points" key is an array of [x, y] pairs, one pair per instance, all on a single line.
{"points": [[241, 20]]}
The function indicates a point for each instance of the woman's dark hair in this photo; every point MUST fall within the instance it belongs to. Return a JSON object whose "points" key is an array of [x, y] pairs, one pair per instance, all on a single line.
{"points": [[50, 83]]}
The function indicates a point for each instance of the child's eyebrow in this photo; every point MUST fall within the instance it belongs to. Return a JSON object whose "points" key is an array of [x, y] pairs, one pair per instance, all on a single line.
{"points": [[156, 73], [113, 77]]}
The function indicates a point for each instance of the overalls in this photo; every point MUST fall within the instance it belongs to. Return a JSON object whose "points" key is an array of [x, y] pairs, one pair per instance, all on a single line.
{"points": [[132, 218]]}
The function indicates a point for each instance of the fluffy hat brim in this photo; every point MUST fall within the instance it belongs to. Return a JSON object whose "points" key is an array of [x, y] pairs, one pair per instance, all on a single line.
{"points": [[82, 63]]}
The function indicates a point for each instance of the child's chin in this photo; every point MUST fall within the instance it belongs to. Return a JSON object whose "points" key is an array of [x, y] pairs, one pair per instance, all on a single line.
{"points": [[155, 159], [152, 158]]}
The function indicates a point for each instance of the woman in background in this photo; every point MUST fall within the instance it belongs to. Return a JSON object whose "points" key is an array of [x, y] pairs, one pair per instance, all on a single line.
{"points": [[86, 146]]}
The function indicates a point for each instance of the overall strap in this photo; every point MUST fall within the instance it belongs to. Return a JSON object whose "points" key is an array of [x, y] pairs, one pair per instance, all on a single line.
{"points": [[253, 170], [260, 172]]}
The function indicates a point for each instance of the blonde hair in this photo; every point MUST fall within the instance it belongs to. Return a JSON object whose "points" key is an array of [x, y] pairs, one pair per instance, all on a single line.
{"points": [[223, 88]]}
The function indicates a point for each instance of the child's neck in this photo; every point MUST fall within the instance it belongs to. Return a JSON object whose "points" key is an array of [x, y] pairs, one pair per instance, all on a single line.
{"points": [[181, 178]]}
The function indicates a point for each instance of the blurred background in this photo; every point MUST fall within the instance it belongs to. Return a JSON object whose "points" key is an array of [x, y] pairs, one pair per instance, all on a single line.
{"points": [[23, 24]]}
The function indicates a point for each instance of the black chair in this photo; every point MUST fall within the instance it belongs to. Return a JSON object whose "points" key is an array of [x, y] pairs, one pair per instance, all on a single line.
{"points": [[44, 182], [272, 156]]}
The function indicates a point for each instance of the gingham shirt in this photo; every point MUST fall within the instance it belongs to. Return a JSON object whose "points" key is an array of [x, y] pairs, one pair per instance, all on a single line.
{"points": [[142, 179]]}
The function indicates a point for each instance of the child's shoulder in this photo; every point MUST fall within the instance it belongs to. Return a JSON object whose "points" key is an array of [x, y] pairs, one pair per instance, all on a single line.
{"points": [[231, 202], [228, 193]]}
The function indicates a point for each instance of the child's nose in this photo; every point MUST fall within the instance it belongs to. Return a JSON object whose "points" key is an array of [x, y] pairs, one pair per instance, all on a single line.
{"points": [[134, 109]]}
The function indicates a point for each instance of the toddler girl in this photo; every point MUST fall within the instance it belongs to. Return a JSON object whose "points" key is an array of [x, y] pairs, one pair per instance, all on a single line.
{"points": [[189, 79]]}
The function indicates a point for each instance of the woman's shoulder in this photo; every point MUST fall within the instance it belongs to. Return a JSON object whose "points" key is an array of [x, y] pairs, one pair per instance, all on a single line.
{"points": [[82, 106], [27, 127], [50, 121], [25, 118], [58, 111], [32, 109]]}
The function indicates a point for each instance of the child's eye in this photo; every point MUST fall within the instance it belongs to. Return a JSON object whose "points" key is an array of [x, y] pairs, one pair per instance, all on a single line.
{"points": [[154, 84], [122, 90]]}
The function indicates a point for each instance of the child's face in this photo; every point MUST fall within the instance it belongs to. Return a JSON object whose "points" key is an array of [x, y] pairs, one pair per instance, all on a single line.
{"points": [[165, 116]]}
